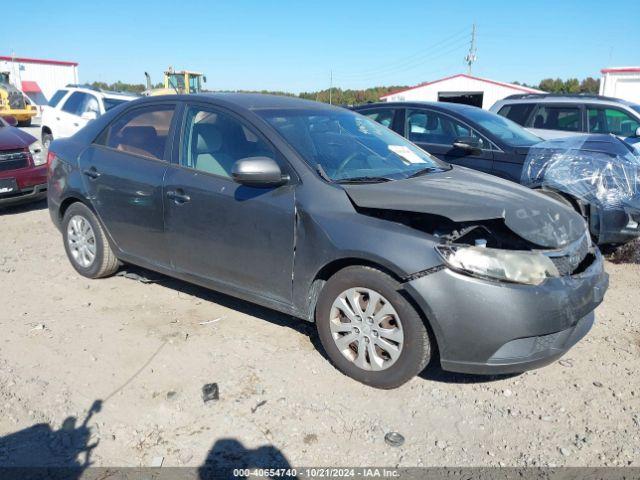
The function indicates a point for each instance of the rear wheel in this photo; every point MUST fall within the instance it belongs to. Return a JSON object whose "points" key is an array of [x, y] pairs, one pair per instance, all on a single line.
{"points": [[25, 123], [369, 330], [86, 244]]}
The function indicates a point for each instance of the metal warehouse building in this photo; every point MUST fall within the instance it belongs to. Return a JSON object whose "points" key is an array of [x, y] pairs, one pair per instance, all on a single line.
{"points": [[460, 88], [621, 82], [38, 78]]}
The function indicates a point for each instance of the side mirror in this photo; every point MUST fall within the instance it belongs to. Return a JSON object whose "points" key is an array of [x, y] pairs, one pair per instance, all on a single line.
{"points": [[468, 144], [11, 120], [258, 172], [89, 115]]}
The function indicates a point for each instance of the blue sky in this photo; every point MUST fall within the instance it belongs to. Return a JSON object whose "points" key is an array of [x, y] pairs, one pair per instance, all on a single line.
{"points": [[294, 45]]}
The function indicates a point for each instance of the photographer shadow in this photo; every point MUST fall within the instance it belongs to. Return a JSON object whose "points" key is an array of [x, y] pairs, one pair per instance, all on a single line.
{"points": [[39, 451], [228, 456]]}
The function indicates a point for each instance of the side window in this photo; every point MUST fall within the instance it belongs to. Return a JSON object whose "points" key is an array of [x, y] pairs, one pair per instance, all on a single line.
{"points": [[552, 117], [611, 120], [517, 112], [55, 99], [428, 126], [74, 103], [383, 116], [141, 131], [214, 141]]}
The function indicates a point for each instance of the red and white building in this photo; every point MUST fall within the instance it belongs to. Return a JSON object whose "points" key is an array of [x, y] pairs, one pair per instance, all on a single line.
{"points": [[39, 78], [460, 88], [621, 82]]}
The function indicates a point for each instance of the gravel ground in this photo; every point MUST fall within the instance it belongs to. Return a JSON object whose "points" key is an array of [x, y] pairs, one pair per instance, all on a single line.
{"points": [[140, 354]]}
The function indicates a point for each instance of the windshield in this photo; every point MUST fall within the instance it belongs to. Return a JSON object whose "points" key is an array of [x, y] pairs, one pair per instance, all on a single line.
{"points": [[509, 132], [55, 99], [109, 103], [349, 146]]}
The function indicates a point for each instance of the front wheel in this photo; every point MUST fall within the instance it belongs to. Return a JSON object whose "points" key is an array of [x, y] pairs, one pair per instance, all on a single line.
{"points": [[86, 244], [369, 330]]}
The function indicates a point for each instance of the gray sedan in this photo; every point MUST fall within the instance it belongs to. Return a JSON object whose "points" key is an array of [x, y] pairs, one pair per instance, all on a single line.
{"points": [[324, 214]]}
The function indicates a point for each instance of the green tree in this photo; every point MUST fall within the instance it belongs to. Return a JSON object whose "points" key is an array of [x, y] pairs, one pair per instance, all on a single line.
{"points": [[590, 85]]}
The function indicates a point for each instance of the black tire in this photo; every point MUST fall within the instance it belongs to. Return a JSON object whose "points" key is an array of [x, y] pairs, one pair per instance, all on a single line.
{"points": [[105, 262], [25, 123], [47, 138], [416, 346]]}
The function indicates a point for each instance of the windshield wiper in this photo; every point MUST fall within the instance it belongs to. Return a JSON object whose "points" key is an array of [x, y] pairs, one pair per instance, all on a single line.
{"points": [[364, 180], [424, 171]]}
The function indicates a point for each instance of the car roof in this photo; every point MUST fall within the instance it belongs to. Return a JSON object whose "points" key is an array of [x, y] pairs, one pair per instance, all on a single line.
{"points": [[247, 101], [560, 98], [445, 106], [100, 92]]}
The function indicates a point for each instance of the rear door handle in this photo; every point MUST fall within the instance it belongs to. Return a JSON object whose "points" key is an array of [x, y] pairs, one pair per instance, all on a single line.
{"points": [[178, 196], [91, 173]]}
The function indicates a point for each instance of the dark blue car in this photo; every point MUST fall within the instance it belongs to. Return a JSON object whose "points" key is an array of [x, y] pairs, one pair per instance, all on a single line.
{"points": [[594, 174]]}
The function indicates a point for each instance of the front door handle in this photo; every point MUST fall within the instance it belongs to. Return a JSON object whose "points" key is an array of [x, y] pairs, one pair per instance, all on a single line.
{"points": [[92, 173], [178, 196]]}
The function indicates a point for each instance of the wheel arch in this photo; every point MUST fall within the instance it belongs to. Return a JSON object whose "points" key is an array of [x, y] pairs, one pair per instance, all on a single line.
{"points": [[333, 267], [70, 200]]}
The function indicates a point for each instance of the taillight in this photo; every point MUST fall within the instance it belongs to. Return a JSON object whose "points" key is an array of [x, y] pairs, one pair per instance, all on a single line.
{"points": [[50, 157]]}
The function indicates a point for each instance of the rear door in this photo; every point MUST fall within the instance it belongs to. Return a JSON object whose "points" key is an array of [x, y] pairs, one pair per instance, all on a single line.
{"points": [[556, 120], [229, 235], [435, 132], [123, 172]]}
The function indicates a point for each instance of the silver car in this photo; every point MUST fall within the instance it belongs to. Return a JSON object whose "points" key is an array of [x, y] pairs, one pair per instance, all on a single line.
{"points": [[555, 116]]}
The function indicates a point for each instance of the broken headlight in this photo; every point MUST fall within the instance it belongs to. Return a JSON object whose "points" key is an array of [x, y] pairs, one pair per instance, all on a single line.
{"points": [[507, 265], [35, 149]]}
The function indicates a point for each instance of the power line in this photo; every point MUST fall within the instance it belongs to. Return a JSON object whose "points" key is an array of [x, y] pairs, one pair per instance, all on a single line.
{"points": [[454, 49], [412, 60], [386, 73]]}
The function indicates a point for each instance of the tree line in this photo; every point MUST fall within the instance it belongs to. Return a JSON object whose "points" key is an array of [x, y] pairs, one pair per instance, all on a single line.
{"points": [[589, 85], [338, 96]]}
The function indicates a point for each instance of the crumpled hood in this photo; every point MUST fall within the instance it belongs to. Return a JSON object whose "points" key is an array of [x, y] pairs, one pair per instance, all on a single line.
{"points": [[464, 195], [12, 138]]}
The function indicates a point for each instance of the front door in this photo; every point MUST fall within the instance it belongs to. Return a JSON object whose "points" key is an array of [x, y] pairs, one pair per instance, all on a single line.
{"points": [[436, 132], [218, 230], [123, 173]]}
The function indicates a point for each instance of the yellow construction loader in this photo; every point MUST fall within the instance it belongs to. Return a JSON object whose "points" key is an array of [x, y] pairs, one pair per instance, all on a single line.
{"points": [[13, 102], [183, 81]]}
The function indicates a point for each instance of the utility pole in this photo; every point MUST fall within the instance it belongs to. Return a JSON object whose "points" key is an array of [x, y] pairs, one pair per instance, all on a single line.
{"points": [[471, 56], [330, 85]]}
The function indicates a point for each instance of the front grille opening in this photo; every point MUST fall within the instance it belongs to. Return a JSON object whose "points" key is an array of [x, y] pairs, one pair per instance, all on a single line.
{"points": [[586, 263], [13, 160]]}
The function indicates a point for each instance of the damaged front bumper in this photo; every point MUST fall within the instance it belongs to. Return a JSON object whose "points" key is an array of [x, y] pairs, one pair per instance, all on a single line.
{"points": [[491, 327]]}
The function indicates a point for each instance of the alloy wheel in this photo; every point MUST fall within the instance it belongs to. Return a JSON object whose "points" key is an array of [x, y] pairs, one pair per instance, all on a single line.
{"points": [[81, 241]]}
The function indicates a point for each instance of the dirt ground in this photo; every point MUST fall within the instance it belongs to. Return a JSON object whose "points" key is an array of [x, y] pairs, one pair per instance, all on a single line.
{"points": [[144, 351]]}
